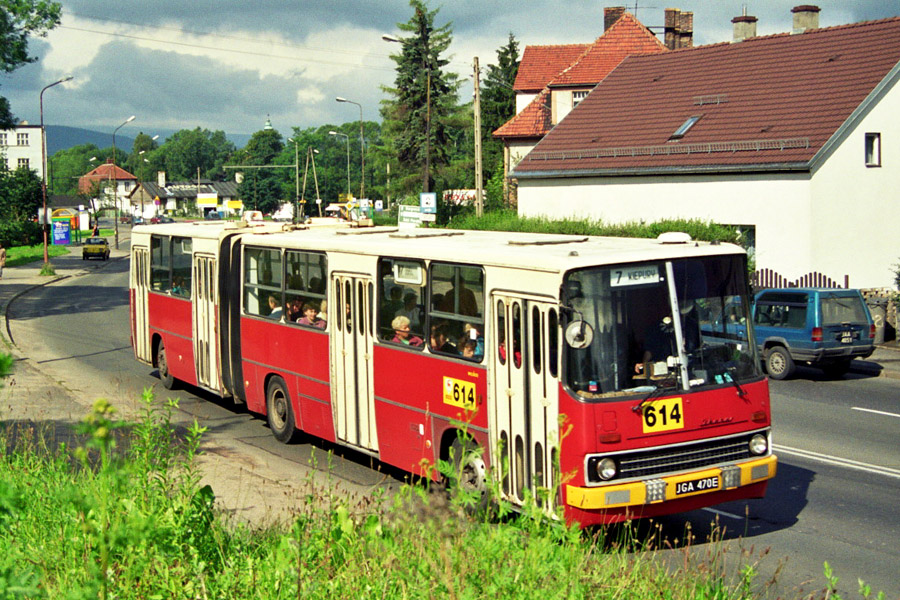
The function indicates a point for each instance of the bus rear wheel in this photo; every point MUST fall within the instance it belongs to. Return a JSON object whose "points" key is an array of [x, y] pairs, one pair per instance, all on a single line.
{"points": [[469, 471], [162, 364], [279, 413]]}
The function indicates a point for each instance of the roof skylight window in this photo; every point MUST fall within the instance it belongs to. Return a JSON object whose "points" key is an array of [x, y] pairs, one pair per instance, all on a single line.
{"points": [[685, 127]]}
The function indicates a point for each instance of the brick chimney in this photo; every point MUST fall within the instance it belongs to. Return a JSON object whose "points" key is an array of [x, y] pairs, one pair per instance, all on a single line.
{"points": [[806, 16], [679, 29], [744, 27], [161, 178], [611, 14]]}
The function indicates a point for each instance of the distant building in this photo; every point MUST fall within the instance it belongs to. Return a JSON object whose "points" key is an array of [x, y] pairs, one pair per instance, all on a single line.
{"points": [[109, 184], [21, 147], [185, 197], [552, 80]]}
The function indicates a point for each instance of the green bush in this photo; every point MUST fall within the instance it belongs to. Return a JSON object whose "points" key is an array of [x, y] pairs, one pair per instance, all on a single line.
{"points": [[20, 233]]}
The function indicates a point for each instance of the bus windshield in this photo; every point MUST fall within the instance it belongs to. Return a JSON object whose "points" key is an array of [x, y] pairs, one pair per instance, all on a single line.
{"points": [[680, 324]]}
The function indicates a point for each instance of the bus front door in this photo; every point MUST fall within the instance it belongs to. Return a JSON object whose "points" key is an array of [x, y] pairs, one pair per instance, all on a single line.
{"points": [[140, 283], [524, 395], [204, 289], [352, 335]]}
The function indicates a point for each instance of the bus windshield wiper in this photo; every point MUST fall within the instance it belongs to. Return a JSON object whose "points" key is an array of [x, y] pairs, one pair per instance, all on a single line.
{"points": [[657, 391], [728, 375]]}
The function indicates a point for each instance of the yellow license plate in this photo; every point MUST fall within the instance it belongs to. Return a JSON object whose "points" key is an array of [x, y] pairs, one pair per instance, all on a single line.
{"points": [[459, 393], [663, 415]]}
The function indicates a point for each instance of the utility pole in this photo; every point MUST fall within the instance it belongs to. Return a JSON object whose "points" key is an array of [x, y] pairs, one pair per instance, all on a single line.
{"points": [[476, 106]]}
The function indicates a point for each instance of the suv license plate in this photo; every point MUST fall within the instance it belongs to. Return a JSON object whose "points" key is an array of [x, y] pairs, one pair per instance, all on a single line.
{"points": [[847, 337]]}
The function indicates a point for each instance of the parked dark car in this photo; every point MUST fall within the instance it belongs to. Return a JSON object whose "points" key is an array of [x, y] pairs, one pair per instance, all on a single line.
{"points": [[823, 328], [162, 219], [212, 216]]}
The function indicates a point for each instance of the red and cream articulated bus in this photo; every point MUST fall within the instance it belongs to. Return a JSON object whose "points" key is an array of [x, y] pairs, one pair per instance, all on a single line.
{"points": [[609, 370]]}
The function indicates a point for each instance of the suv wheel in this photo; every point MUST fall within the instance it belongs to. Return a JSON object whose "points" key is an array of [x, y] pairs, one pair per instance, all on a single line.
{"points": [[779, 363]]}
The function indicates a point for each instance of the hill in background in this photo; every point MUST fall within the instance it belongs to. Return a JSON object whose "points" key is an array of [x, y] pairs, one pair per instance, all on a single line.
{"points": [[60, 137]]}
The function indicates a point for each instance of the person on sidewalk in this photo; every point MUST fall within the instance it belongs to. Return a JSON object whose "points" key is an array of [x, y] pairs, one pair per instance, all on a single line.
{"points": [[2, 259]]}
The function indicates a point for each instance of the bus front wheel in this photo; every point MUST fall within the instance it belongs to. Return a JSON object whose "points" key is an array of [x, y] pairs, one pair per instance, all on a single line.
{"points": [[162, 364], [279, 413]]}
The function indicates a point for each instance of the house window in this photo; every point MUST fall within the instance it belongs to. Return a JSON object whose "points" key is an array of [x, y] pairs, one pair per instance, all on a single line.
{"points": [[578, 97], [2, 139], [23, 163], [22, 139], [685, 127], [873, 149]]}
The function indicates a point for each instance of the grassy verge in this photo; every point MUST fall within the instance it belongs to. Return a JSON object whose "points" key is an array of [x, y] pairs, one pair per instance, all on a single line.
{"points": [[508, 220], [21, 255]]}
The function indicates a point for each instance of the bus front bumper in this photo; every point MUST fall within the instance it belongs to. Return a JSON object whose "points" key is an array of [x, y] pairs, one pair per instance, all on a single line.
{"points": [[683, 485]]}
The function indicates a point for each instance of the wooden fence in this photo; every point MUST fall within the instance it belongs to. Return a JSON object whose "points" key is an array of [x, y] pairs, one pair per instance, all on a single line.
{"points": [[767, 278]]}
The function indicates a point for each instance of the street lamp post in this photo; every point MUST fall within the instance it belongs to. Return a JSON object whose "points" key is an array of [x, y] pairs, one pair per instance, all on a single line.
{"points": [[296, 180], [362, 147], [44, 165], [143, 190], [347, 138], [116, 178]]}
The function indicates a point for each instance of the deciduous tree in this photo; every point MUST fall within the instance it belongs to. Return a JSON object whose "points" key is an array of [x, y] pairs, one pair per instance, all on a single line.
{"points": [[20, 19]]}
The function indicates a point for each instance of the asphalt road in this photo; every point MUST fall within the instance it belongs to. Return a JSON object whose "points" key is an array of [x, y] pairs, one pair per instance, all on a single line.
{"points": [[834, 499]]}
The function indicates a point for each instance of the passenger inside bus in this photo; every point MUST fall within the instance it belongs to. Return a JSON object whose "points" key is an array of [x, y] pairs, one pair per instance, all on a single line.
{"points": [[411, 310], [439, 341], [402, 334], [311, 317], [274, 310]]}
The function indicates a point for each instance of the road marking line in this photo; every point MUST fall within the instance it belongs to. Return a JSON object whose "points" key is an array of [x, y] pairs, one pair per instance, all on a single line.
{"points": [[877, 412], [723, 513], [840, 462]]}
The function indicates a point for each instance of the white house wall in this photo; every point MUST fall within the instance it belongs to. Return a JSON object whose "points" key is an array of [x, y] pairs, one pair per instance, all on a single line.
{"points": [[858, 207], [776, 206], [523, 100]]}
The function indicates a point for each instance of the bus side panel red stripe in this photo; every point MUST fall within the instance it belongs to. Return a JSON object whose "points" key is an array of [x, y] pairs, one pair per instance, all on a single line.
{"points": [[416, 380], [171, 318]]}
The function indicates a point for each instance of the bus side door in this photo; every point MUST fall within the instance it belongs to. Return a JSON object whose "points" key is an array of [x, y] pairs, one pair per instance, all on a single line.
{"points": [[524, 393], [204, 290], [350, 310], [140, 283]]}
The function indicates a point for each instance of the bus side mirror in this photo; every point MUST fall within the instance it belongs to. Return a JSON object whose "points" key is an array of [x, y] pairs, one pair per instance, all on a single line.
{"points": [[579, 334]]}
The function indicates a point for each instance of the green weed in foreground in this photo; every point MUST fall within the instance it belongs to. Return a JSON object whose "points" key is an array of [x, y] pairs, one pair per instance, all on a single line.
{"points": [[123, 515]]}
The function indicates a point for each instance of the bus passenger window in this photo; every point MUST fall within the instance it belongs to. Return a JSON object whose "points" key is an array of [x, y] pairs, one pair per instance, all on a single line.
{"points": [[160, 263], [263, 295], [401, 293], [456, 313], [181, 266]]}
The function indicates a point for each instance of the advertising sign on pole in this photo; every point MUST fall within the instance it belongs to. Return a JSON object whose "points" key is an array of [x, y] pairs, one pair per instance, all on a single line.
{"points": [[409, 217], [428, 202], [61, 231]]}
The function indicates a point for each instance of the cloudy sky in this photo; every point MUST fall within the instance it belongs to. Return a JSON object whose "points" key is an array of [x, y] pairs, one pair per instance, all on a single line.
{"points": [[228, 64]]}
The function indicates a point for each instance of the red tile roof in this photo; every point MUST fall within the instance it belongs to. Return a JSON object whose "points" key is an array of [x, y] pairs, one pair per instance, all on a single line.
{"points": [[594, 62], [626, 37], [767, 102], [540, 64], [532, 122], [104, 172]]}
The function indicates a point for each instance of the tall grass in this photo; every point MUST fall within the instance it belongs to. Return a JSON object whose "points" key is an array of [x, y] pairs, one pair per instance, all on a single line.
{"points": [[122, 514]]}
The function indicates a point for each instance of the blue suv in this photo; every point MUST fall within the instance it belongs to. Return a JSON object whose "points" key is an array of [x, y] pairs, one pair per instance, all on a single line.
{"points": [[824, 328]]}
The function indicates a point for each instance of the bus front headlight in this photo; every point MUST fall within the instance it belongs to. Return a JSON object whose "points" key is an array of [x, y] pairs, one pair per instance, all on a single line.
{"points": [[606, 469], [759, 444]]}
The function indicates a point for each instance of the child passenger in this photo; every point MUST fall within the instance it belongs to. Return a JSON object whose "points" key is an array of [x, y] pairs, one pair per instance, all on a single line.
{"points": [[311, 316]]}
